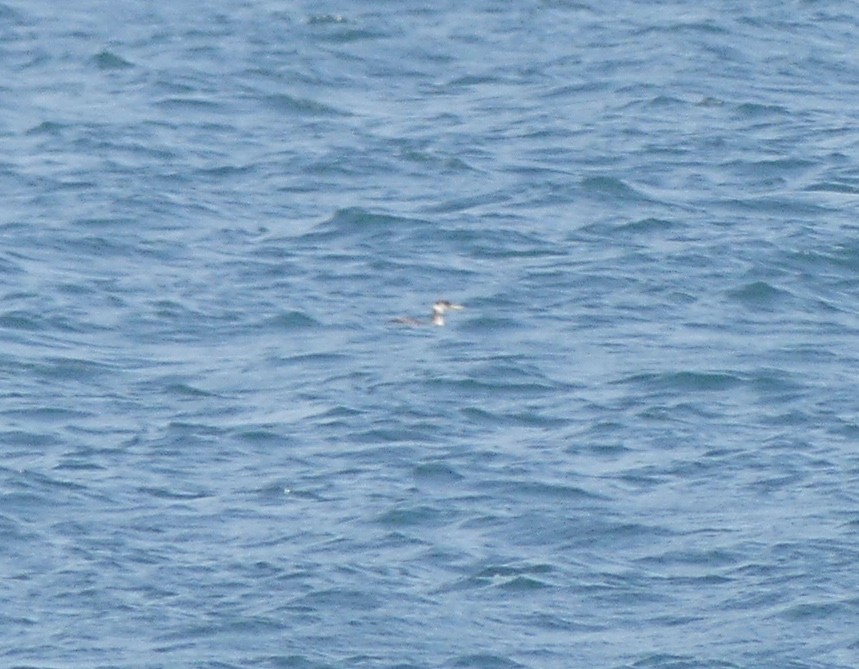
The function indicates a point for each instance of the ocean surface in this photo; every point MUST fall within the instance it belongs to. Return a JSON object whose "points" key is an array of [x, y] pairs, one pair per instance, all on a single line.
{"points": [[636, 448]]}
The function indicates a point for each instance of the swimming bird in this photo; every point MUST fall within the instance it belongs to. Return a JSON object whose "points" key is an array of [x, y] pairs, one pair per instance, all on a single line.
{"points": [[438, 310]]}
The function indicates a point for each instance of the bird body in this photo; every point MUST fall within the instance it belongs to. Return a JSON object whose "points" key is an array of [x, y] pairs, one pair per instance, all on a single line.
{"points": [[438, 311]]}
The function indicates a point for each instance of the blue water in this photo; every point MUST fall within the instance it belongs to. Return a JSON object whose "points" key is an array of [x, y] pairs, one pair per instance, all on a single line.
{"points": [[637, 447]]}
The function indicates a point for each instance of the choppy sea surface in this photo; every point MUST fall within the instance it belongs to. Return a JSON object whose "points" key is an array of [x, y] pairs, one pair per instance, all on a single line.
{"points": [[636, 448]]}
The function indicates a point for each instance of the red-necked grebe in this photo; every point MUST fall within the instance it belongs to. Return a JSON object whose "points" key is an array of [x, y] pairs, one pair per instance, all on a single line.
{"points": [[438, 310]]}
